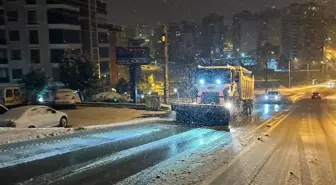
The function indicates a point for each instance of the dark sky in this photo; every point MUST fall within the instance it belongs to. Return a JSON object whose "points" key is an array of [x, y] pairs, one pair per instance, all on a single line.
{"points": [[130, 12]]}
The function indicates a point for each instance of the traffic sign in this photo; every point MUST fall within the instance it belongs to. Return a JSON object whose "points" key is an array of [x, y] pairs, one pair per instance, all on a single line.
{"points": [[132, 55]]}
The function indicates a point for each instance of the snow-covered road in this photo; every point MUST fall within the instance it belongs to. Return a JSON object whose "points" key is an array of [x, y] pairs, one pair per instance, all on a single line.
{"points": [[129, 149]]}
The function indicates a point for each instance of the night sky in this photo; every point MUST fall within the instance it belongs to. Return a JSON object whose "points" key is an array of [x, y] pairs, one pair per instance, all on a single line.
{"points": [[130, 12]]}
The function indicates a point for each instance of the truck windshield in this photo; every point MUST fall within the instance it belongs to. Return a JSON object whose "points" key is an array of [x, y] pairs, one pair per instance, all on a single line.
{"points": [[218, 76]]}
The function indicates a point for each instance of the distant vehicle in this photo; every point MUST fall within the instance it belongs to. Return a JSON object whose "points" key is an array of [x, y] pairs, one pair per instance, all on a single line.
{"points": [[272, 96], [33, 117], [3, 109], [316, 95], [11, 95], [58, 97], [331, 84]]}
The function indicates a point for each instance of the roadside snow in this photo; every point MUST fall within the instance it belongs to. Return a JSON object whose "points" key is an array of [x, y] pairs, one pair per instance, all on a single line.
{"points": [[13, 135], [91, 116]]}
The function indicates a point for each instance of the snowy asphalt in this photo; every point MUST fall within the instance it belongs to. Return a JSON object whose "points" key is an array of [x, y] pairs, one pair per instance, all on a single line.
{"points": [[162, 153]]}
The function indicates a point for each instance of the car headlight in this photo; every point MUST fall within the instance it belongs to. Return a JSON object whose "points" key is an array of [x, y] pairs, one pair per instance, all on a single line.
{"points": [[218, 81], [202, 81], [228, 105], [41, 100], [277, 97], [266, 97]]}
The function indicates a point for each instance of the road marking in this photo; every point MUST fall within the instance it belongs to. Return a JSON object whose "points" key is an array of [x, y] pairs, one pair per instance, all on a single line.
{"points": [[213, 177], [269, 120], [277, 123]]}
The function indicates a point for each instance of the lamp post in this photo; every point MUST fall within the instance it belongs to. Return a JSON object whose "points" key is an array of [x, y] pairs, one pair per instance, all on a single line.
{"points": [[289, 74], [178, 96], [166, 79]]}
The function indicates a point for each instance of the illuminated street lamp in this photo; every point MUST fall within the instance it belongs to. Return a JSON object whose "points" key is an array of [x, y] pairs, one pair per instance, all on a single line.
{"points": [[163, 38], [243, 54], [178, 97]]}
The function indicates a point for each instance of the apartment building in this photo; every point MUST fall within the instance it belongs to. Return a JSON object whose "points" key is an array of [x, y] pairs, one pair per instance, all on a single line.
{"points": [[303, 34], [35, 34]]}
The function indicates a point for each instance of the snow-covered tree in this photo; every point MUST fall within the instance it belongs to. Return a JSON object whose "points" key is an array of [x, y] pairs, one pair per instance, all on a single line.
{"points": [[35, 81], [79, 73], [122, 86]]}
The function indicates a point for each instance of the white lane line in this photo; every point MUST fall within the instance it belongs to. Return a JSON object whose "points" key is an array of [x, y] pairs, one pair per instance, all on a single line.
{"points": [[221, 170], [79, 143], [96, 163]]}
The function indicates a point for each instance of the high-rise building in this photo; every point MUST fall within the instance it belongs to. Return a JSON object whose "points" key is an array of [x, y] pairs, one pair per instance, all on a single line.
{"points": [[182, 42], [36, 34], [187, 41], [245, 33], [35, 37], [303, 33], [331, 30], [213, 35], [143, 30], [157, 45], [269, 28]]}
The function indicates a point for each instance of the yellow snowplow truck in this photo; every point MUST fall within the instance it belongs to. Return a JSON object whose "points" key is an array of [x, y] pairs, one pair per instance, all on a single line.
{"points": [[223, 92]]}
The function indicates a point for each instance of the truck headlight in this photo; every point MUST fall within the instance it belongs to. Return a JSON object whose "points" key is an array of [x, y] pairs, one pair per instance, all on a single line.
{"points": [[202, 81], [218, 81], [277, 97], [228, 105]]}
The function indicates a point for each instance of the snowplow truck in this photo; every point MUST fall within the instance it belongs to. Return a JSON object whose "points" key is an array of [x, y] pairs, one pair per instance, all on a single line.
{"points": [[222, 93]]}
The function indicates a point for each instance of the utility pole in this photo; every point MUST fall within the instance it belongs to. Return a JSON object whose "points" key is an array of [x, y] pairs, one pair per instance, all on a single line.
{"points": [[289, 74], [166, 78], [308, 74], [266, 75]]}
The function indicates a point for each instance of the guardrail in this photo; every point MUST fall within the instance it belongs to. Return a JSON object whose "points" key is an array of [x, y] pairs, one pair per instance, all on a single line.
{"points": [[115, 105]]}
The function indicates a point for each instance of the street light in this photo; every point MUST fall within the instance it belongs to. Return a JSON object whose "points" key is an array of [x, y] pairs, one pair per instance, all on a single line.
{"points": [[178, 96], [243, 54]]}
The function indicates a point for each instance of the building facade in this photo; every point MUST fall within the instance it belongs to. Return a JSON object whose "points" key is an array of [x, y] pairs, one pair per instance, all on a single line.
{"points": [[212, 37], [303, 34], [183, 40], [245, 33], [35, 34], [269, 28]]}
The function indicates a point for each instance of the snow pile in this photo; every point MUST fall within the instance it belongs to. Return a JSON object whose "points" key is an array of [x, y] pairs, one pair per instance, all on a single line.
{"points": [[90, 116], [13, 135]]}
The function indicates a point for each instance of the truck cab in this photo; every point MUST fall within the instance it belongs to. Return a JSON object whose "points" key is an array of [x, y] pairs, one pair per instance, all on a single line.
{"points": [[222, 84]]}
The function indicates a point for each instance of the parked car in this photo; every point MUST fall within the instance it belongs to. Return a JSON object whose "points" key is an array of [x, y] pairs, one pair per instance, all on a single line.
{"points": [[58, 97], [33, 116]]}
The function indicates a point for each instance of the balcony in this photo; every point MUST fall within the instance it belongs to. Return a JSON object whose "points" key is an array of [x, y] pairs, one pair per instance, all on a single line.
{"points": [[3, 61], [3, 42], [66, 2]]}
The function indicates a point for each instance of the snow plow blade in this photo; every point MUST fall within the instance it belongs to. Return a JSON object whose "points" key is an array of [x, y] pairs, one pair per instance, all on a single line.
{"points": [[201, 115]]}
